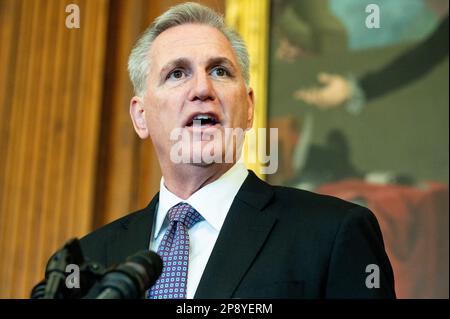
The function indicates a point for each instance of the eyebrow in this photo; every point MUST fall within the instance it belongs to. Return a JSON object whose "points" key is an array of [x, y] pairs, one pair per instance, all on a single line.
{"points": [[174, 63], [184, 62], [221, 60]]}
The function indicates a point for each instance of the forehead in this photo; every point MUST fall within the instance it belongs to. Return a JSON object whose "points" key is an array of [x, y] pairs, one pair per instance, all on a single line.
{"points": [[192, 41]]}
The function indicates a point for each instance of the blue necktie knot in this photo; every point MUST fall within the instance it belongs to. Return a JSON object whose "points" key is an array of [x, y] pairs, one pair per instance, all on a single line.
{"points": [[184, 213]]}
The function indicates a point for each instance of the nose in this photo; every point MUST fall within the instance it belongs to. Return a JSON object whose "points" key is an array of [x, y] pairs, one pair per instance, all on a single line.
{"points": [[202, 88]]}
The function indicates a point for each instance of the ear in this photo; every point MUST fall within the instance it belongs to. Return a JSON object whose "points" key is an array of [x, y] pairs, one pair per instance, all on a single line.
{"points": [[251, 108], [137, 113]]}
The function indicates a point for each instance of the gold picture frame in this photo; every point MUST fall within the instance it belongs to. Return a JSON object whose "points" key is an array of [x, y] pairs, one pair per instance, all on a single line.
{"points": [[251, 19]]}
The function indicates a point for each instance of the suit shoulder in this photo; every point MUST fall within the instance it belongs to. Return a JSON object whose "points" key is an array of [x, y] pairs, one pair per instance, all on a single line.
{"points": [[97, 239], [317, 217], [316, 206], [122, 222], [305, 198]]}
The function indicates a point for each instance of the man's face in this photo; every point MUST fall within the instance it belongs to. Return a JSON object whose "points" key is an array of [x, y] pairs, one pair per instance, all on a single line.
{"points": [[194, 75]]}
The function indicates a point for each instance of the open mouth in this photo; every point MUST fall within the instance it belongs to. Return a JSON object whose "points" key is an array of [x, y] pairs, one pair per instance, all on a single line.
{"points": [[203, 120]]}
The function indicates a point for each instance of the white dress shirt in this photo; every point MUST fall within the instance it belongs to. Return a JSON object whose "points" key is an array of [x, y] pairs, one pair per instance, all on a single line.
{"points": [[213, 202]]}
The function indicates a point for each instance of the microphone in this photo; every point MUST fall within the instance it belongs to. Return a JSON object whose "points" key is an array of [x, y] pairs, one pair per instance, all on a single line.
{"points": [[55, 271], [132, 278], [38, 291], [54, 285]]}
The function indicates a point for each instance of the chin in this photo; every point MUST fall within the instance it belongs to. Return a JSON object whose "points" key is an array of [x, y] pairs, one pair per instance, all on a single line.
{"points": [[204, 153], [203, 164], [202, 160]]}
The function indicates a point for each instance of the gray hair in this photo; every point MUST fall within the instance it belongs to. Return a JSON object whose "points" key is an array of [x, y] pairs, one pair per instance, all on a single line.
{"points": [[185, 13]]}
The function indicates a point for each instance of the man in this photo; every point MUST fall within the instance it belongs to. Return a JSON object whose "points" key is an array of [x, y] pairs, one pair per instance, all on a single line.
{"points": [[221, 231]]}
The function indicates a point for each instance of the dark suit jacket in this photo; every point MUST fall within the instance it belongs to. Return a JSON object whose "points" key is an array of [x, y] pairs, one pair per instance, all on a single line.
{"points": [[276, 242]]}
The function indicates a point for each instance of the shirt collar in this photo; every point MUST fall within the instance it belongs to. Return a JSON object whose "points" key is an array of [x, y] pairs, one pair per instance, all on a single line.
{"points": [[212, 201]]}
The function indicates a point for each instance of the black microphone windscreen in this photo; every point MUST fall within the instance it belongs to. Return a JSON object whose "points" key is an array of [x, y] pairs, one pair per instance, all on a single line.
{"points": [[133, 277]]}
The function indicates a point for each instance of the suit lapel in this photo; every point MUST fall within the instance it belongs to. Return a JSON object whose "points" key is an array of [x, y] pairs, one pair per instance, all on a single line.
{"points": [[240, 239], [133, 236]]}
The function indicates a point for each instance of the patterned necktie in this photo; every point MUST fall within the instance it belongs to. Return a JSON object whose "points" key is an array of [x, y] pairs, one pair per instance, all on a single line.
{"points": [[174, 251]]}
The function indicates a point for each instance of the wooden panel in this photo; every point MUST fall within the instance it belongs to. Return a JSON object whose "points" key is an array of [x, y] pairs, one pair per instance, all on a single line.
{"points": [[69, 158], [50, 103], [117, 172]]}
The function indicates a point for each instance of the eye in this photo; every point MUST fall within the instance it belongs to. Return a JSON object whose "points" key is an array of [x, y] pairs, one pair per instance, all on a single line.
{"points": [[220, 71], [176, 74]]}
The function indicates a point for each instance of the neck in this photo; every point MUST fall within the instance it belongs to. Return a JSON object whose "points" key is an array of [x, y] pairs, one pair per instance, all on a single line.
{"points": [[185, 180]]}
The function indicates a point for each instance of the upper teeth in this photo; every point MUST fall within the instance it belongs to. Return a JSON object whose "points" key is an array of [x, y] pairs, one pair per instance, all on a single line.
{"points": [[203, 117]]}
